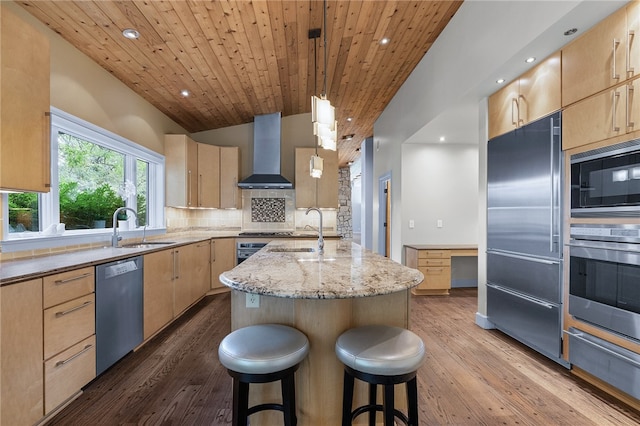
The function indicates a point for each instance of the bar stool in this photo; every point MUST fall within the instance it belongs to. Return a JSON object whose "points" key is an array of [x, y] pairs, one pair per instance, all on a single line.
{"points": [[380, 355], [261, 354]]}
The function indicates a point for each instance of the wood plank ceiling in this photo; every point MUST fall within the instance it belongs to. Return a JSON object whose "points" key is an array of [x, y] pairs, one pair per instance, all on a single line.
{"points": [[242, 58]]}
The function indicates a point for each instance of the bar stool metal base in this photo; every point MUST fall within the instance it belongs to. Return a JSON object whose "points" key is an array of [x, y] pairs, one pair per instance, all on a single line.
{"points": [[241, 409], [390, 413]]}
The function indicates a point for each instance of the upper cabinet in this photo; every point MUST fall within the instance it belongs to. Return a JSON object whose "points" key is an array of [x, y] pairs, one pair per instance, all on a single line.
{"points": [[230, 197], [602, 57], [208, 175], [312, 192], [201, 175], [24, 120], [533, 95]]}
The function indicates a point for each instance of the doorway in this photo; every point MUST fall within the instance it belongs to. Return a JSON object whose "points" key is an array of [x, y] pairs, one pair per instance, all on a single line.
{"points": [[384, 217]]}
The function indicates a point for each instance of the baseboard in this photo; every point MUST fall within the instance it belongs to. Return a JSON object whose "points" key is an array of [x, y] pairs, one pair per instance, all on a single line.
{"points": [[483, 321]]}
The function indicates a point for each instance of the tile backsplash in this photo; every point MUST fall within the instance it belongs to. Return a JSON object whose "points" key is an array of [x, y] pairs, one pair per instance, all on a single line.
{"points": [[266, 209]]}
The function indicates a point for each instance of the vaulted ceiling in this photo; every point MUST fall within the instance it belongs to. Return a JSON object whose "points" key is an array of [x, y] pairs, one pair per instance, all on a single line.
{"points": [[238, 59]]}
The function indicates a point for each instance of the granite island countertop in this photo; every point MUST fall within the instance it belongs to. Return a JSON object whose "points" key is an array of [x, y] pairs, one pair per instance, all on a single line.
{"points": [[345, 270]]}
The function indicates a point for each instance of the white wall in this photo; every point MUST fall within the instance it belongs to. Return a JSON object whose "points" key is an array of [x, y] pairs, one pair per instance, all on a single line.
{"points": [[440, 182]]}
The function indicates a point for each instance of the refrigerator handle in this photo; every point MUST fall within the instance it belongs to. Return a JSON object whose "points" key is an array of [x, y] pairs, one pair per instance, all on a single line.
{"points": [[554, 245], [521, 296], [517, 256]]}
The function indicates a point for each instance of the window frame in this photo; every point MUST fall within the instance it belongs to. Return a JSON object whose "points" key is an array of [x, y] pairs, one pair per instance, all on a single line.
{"points": [[49, 205]]}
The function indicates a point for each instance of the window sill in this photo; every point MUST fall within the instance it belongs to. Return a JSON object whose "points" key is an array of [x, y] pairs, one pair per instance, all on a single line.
{"points": [[71, 238]]}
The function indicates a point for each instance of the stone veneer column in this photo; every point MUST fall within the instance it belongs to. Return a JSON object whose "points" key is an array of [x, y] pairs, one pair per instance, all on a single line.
{"points": [[344, 220]]}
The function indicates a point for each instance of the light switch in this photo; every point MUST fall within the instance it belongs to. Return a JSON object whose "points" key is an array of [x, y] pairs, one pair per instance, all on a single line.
{"points": [[412, 224], [439, 223]]}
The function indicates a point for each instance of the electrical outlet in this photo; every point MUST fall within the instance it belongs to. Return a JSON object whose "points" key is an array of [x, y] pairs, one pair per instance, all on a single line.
{"points": [[253, 300]]}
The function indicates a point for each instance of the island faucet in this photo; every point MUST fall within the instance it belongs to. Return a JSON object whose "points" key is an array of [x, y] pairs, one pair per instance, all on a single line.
{"points": [[115, 237], [320, 239]]}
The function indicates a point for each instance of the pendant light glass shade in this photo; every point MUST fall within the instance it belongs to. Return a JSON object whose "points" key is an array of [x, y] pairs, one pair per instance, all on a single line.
{"points": [[315, 166], [326, 136], [322, 112]]}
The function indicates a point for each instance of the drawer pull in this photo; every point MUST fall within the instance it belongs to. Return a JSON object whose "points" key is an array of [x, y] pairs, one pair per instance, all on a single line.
{"points": [[68, 280], [68, 311], [72, 357]]}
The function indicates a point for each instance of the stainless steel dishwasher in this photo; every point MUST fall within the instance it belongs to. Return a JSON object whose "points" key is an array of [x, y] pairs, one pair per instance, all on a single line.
{"points": [[119, 310]]}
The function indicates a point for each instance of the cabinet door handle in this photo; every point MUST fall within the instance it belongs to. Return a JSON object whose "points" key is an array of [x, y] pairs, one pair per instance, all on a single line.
{"points": [[235, 192], [630, 36], [629, 95], [199, 190], [213, 251], [72, 357], [614, 97], [513, 120], [46, 163], [176, 264], [189, 188], [614, 74], [521, 120], [68, 280], [75, 308]]}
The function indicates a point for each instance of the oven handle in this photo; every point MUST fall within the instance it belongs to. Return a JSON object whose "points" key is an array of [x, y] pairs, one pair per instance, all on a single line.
{"points": [[604, 348], [609, 253]]}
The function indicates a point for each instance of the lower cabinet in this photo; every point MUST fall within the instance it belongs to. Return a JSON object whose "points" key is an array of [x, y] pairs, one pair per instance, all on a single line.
{"points": [[223, 258], [69, 334], [21, 367]]}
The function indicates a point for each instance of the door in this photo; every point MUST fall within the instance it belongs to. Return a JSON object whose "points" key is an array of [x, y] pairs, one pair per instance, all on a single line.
{"points": [[523, 189]]}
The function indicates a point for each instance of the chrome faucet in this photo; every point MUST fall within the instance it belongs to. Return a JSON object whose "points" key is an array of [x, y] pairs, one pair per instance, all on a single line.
{"points": [[320, 239], [115, 237]]}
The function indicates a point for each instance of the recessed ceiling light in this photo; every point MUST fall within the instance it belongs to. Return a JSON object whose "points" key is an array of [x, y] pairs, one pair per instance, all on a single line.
{"points": [[530, 59], [131, 34], [348, 137], [349, 118], [185, 93], [571, 31], [384, 41], [357, 149], [500, 80], [441, 138], [349, 163]]}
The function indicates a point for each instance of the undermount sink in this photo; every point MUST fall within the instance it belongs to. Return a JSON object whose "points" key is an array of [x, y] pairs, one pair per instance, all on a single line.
{"points": [[146, 244], [292, 249]]}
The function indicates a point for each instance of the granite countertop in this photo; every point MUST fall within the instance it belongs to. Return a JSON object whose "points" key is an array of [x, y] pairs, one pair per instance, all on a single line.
{"points": [[345, 270], [12, 271], [442, 246]]}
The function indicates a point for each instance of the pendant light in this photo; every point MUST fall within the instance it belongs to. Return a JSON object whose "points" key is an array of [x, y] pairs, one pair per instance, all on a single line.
{"points": [[316, 162], [323, 115]]}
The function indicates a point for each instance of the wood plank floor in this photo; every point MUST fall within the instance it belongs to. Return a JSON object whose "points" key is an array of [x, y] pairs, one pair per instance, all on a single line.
{"points": [[471, 376]]}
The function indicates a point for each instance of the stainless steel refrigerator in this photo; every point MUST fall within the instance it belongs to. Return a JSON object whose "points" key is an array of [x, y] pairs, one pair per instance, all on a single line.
{"points": [[524, 235]]}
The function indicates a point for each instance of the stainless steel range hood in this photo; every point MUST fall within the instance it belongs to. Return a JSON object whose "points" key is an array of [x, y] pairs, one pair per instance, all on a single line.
{"points": [[266, 155]]}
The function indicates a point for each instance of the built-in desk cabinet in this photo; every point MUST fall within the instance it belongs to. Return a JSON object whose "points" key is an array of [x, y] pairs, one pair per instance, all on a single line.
{"points": [[435, 265], [24, 106]]}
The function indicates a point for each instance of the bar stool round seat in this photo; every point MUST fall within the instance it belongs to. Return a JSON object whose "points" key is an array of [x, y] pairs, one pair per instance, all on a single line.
{"points": [[380, 355], [263, 353]]}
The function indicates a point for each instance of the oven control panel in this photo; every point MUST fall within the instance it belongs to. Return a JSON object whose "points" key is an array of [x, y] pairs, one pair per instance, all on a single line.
{"points": [[616, 233]]}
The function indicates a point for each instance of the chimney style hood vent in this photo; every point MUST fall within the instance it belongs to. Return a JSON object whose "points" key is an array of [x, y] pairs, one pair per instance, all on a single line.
{"points": [[266, 155]]}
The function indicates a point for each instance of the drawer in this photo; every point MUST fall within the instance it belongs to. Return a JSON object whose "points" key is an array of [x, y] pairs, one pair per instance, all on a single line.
{"points": [[434, 262], [66, 373], [433, 254], [435, 278], [66, 286], [68, 323]]}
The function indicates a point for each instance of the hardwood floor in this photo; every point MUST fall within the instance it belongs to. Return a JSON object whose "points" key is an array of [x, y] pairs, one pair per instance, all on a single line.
{"points": [[471, 376]]}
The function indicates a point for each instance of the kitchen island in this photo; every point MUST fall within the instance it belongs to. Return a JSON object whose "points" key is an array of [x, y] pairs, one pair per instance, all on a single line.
{"points": [[322, 295]]}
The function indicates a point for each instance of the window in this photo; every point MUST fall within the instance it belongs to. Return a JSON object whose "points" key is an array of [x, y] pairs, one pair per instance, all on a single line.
{"points": [[93, 173]]}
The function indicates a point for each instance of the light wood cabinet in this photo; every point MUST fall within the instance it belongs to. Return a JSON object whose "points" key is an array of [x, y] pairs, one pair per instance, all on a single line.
{"points": [[67, 372], [24, 106], [312, 192], [230, 196], [606, 115], [533, 95], [21, 353], [208, 175], [598, 59], [197, 269], [435, 265], [158, 291], [223, 258]]}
